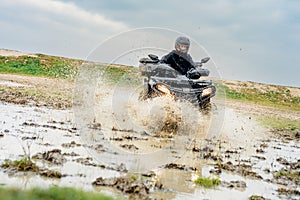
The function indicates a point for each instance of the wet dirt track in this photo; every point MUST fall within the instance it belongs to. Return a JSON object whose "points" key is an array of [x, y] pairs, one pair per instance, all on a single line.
{"points": [[244, 155]]}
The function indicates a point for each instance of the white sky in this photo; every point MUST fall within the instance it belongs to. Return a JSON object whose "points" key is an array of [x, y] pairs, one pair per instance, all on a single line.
{"points": [[256, 40]]}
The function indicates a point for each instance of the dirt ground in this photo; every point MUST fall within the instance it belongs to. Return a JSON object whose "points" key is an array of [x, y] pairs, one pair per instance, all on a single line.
{"points": [[260, 110], [260, 87], [39, 91]]}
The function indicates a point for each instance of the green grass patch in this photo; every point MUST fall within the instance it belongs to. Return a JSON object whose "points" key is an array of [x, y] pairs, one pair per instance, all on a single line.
{"points": [[42, 65], [58, 67], [207, 182], [279, 123], [23, 164], [220, 89], [116, 75], [53, 193], [292, 175], [132, 176], [231, 94], [281, 98], [122, 75]]}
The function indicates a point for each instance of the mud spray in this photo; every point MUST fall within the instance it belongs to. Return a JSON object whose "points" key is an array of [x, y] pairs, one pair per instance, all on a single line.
{"points": [[140, 134], [119, 108]]}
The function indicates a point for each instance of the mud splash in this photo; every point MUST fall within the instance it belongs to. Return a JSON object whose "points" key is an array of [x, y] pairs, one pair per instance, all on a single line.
{"points": [[139, 130], [122, 109]]}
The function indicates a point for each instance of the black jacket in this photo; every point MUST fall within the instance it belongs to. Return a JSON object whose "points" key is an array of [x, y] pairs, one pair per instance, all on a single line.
{"points": [[180, 62]]}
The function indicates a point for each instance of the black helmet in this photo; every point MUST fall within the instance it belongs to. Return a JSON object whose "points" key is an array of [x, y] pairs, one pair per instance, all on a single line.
{"points": [[182, 44]]}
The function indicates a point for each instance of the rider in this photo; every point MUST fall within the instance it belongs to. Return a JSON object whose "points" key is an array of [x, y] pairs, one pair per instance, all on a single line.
{"points": [[179, 59]]}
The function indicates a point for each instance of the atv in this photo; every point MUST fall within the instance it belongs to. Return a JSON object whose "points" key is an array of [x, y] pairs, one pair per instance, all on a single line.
{"points": [[161, 79]]}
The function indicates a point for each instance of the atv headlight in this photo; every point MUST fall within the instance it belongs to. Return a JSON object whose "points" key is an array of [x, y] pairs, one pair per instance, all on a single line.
{"points": [[164, 89], [206, 92]]}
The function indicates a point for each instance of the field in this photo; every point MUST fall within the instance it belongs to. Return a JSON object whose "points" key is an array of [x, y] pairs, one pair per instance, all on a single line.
{"points": [[79, 125]]}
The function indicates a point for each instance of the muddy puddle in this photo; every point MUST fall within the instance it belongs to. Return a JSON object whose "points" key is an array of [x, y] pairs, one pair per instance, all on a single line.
{"points": [[51, 139], [158, 148]]}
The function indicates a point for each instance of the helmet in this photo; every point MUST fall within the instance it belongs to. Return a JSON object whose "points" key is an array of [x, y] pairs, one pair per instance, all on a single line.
{"points": [[182, 44]]}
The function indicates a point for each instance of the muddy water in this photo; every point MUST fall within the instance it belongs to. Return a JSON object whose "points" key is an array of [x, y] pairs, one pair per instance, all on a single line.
{"points": [[124, 134], [31, 130]]}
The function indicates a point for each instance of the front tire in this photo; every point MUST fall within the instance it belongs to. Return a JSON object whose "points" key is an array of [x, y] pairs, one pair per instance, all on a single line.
{"points": [[206, 107]]}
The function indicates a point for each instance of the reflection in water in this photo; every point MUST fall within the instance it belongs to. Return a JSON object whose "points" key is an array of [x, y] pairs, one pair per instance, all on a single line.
{"points": [[178, 180]]}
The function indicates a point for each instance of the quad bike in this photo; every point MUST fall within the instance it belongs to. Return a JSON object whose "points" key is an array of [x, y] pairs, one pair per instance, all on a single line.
{"points": [[161, 79]]}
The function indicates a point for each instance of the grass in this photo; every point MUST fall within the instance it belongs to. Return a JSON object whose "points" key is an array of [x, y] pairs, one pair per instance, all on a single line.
{"points": [[58, 67], [279, 123], [23, 164], [207, 182], [282, 98], [132, 176], [26, 165], [42, 65], [53, 193], [124, 75], [292, 175]]}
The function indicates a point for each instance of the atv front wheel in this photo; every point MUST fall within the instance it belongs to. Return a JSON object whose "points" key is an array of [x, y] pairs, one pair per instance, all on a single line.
{"points": [[206, 107]]}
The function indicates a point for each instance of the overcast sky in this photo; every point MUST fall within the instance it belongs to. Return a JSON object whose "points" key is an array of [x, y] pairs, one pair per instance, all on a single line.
{"points": [[256, 40]]}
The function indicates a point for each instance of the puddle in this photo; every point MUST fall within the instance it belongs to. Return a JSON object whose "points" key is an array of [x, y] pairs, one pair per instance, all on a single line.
{"points": [[180, 184], [39, 130]]}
